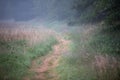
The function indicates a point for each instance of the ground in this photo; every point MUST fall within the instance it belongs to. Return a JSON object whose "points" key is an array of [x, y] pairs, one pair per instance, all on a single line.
{"points": [[46, 69]]}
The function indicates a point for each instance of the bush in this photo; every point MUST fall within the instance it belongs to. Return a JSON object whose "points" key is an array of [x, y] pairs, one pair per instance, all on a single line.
{"points": [[16, 56], [94, 56]]}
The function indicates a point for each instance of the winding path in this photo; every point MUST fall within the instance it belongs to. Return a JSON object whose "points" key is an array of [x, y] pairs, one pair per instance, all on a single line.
{"points": [[46, 70]]}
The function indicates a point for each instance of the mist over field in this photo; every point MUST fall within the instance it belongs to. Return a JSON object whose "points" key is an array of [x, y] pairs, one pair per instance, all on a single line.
{"points": [[59, 40], [35, 10]]}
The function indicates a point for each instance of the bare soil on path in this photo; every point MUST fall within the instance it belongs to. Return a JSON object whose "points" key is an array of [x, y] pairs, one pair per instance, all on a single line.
{"points": [[46, 70]]}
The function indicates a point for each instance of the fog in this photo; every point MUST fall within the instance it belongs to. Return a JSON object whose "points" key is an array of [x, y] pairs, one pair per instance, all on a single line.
{"points": [[35, 10], [59, 39]]}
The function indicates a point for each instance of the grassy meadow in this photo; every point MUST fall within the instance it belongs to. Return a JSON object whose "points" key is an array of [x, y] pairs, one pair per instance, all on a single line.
{"points": [[94, 55], [19, 46]]}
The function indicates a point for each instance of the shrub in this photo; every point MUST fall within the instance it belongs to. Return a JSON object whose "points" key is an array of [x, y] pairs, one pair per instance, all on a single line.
{"points": [[16, 56]]}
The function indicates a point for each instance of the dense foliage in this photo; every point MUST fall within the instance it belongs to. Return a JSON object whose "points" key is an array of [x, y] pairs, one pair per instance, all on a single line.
{"points": [[95, 48], [97, 10]]}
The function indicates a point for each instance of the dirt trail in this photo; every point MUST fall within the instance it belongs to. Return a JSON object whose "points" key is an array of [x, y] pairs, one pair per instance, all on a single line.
{"points": [[45, 70]]}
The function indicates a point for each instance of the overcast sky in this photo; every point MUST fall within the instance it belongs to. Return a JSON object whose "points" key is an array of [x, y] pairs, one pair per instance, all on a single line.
{"points": [[24, 10]]}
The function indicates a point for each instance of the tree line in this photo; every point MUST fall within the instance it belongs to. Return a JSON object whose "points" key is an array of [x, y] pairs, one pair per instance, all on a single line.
{"points": [[92, 11]]}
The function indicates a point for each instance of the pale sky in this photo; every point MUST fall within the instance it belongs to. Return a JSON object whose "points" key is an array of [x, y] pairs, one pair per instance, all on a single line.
{"points": [[24, 10]]}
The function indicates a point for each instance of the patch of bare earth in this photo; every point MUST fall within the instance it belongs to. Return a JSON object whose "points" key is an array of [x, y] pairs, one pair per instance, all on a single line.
{"points": [[46, 70]]}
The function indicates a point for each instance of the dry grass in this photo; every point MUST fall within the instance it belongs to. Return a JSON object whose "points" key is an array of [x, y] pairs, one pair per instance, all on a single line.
{"points": [[32, 35], [107, 67]]}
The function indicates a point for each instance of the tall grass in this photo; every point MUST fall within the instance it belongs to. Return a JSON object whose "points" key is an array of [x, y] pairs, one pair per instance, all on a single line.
{"points": [[94, 56], [18, 47]]}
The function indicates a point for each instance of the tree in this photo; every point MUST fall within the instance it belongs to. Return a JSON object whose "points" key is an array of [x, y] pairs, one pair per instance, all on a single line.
{"points": [[98, 10]]}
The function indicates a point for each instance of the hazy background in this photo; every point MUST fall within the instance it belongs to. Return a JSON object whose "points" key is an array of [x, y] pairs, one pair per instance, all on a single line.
{"points": [[35, 10]]}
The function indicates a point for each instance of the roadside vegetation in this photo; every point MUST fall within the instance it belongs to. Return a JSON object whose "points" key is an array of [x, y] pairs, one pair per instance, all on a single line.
{"points": [[95, 51], [94, 55], [18, 47]]}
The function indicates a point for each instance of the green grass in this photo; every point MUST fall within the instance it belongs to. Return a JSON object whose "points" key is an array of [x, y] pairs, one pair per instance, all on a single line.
{"points": [[16, 56], [79, 63], [71, 70]]}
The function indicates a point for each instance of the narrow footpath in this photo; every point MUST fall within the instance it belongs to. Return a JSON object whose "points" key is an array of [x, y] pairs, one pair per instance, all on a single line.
{"points": [[46, 69]]}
